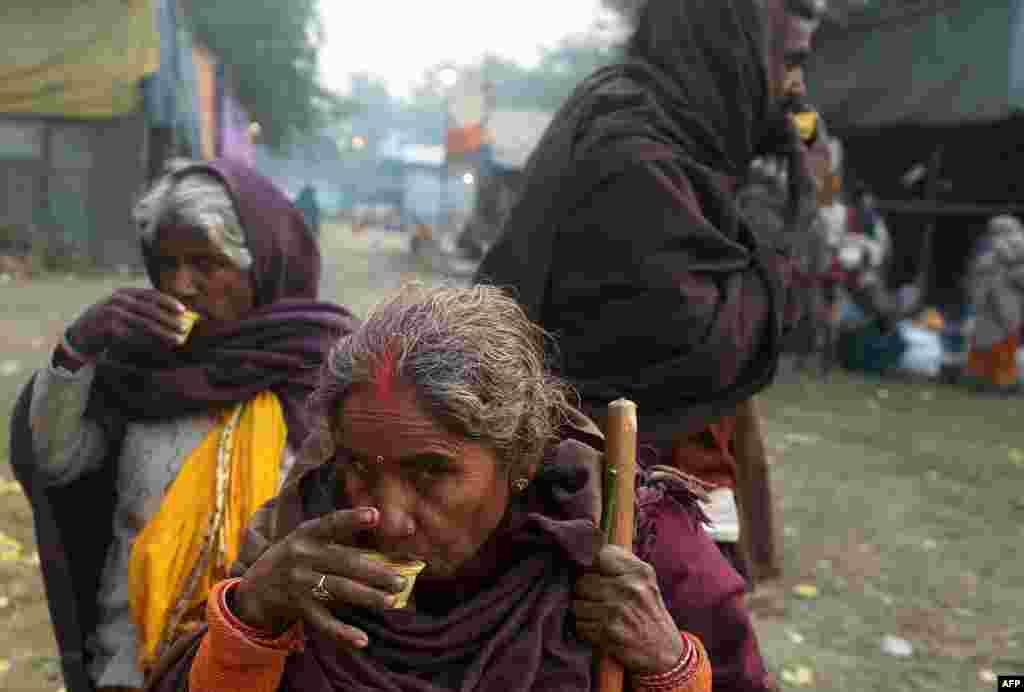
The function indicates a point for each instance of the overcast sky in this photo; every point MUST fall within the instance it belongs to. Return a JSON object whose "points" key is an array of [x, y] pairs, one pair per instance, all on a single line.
{"points": [[398, 39]]}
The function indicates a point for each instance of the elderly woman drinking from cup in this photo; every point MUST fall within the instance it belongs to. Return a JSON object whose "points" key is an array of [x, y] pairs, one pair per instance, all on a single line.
{"points": [[169, 414], [444, 441]]}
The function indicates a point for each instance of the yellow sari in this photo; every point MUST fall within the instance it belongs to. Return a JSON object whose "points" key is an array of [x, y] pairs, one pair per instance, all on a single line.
{"points": [[194, 537]]}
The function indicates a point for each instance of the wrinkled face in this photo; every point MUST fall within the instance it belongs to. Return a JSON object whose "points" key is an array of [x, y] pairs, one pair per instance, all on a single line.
{"points": [[191, 268], [440, 497], [794, 89], [796, 51]]}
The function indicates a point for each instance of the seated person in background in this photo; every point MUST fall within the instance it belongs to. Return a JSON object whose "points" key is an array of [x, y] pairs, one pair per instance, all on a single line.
{"points": [[145, 447], [995, 282], [443, 438]]}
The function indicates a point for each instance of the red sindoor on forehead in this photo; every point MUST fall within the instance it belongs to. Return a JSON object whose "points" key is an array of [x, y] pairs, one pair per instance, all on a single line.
{"points": [[385, 375]]}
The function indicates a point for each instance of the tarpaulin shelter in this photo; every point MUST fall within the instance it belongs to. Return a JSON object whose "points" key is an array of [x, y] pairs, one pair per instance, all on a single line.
{"points": [[71, 106], [933, 84], [94, 96]]}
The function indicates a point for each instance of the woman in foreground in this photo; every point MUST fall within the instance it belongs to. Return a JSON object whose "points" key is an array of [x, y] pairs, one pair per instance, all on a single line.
{"points": [[443, 439]]}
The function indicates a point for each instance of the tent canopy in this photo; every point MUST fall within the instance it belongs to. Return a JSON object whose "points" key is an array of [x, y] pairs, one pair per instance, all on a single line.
{"points": [[920, 62], [76, 58]]}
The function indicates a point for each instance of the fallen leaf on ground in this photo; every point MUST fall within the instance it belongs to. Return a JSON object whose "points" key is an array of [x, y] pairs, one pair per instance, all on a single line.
{"points": [[806, 590], [9, 487], [795, 637], [5, 666], [10, 549], [1017, 456], [801, 676], [9, 368]]}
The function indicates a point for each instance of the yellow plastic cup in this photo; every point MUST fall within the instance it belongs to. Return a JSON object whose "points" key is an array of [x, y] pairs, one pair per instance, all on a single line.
{"points": [[188, 321], [806, 124], [409, 570]]}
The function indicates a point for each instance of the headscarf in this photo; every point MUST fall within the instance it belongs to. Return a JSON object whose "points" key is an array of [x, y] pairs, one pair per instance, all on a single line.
{"points": [[995, 282], [279, 346]]}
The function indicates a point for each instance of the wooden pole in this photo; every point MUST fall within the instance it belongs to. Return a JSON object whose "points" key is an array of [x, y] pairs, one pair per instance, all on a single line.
{"points": [[758, 537], [620, 458]]}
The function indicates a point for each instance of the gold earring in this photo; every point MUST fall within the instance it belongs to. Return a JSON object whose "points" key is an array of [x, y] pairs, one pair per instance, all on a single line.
{"points": [[379, 459], [520, 484]]}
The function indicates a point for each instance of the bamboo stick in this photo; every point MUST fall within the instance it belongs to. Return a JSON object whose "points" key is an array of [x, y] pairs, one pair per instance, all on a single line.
{"points": [[618, 520]]}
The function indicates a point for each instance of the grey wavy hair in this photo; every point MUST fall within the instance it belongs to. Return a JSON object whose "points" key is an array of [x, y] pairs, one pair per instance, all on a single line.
{"points": [[1007, 233], [477, 363], [198, 200]]}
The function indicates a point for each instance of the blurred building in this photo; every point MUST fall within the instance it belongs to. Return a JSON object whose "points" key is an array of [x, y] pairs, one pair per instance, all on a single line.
{"points": [[511, 136], [94, 96], [928, 96]]}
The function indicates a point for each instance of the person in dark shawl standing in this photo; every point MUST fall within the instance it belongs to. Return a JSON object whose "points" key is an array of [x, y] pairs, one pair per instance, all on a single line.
{"points": [[628, 243], [168, 415]]}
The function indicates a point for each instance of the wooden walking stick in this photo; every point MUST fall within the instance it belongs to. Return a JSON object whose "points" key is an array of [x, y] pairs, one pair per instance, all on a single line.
{"points": [[759, 541], [617, 517]]}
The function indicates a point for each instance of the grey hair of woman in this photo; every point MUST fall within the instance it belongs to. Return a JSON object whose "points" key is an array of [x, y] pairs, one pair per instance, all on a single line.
{"points": [[476, 362], [195, 200]]}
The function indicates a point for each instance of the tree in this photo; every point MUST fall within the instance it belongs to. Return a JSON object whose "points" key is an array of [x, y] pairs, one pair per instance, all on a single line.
{"points": [[549, 83], [272, 51], [517, 87]]}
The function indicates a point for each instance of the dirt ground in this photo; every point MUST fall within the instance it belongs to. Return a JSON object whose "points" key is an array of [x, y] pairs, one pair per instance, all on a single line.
{"points": [[901, 507]]}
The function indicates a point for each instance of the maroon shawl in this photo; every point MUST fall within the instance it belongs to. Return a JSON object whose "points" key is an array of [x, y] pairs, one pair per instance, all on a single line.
{"points": [[505, 622]]}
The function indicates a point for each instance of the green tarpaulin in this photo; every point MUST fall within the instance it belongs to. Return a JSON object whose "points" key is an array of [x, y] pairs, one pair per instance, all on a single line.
{"points": [[920, 63]]}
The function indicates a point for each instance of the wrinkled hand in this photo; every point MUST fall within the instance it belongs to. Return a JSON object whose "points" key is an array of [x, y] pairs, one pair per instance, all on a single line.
{"points": [[277, 590], [619, 609], [141, 316]]}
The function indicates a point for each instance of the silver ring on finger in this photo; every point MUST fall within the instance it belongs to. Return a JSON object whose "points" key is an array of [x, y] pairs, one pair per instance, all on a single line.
{"points": [[320, 592]]}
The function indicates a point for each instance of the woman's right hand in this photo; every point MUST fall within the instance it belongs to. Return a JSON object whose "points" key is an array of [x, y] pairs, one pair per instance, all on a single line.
{"points": [[277, 590], [143, 316]]}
